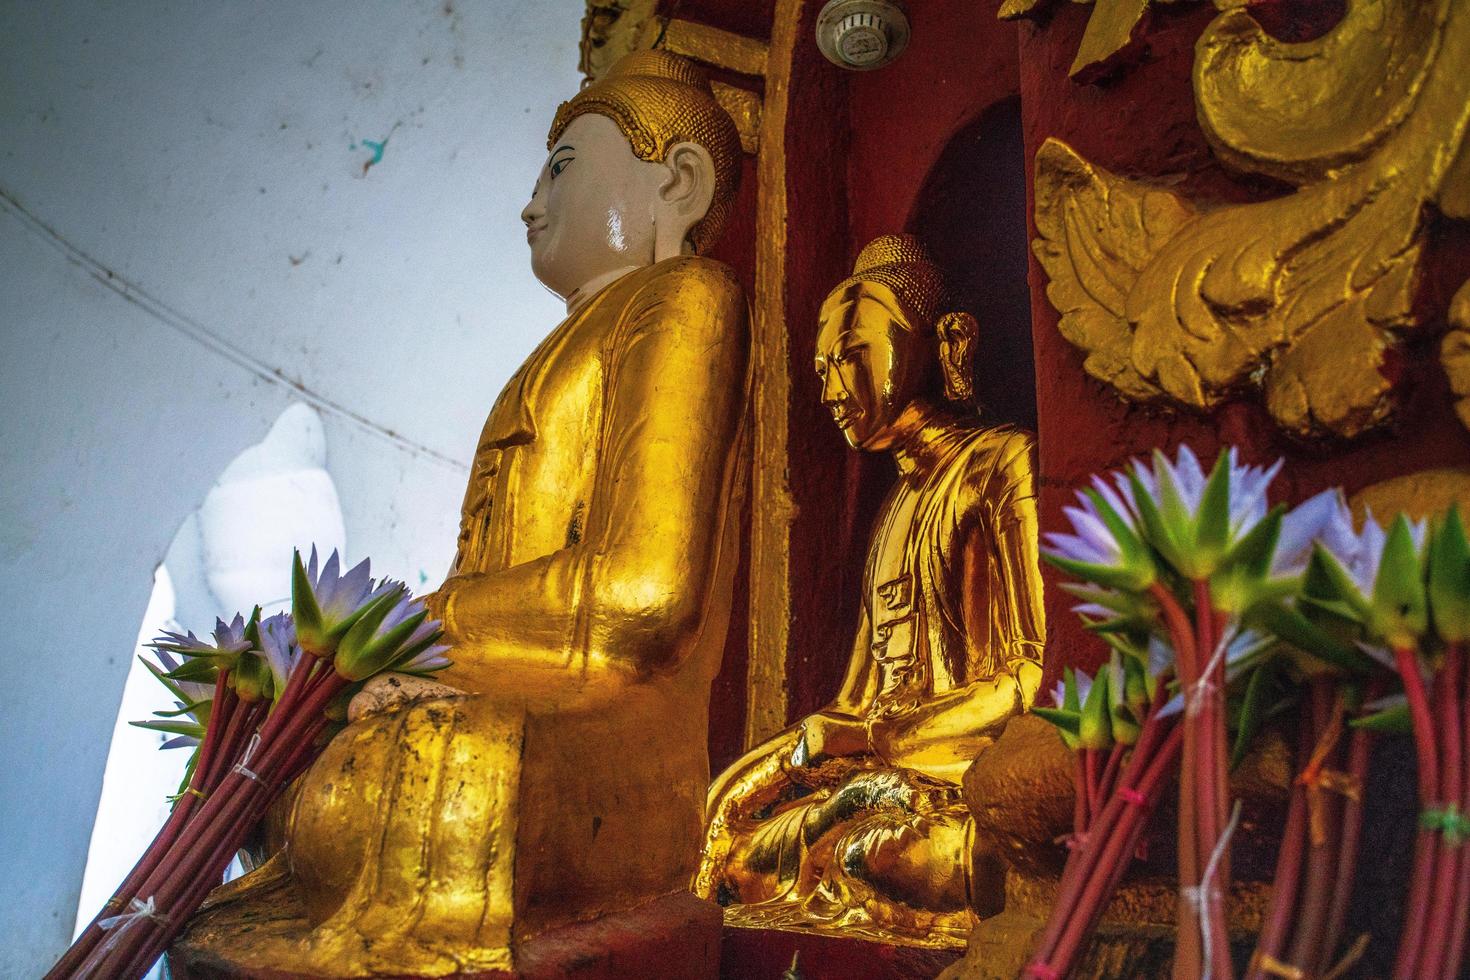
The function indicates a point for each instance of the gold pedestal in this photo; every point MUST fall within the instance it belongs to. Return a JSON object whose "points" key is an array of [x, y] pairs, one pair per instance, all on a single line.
{"points": [[676, 936]]}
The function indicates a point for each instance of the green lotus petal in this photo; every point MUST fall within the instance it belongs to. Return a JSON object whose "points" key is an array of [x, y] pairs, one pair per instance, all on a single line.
{"points": [[1391, 721], [1070, 700], [1252, 554], [1175, 512], [1292, 627], [1109, 576], [1449, 579], [1400, 610], [1068, 721], [1328, 581], [1253, 706], [201, 670], [305, 612], [188, 709], [252, 629], [365, 622], [383, 603], [1212, 523], [386, 649], [1095, 731], [1134, 552], [162, 677], [252, 678], [1335, 612], [1155, 530], [171, 727]]}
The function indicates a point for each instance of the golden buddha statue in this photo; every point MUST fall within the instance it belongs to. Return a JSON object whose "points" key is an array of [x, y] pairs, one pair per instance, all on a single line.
{"points": [[561, 774], [853, 819]]}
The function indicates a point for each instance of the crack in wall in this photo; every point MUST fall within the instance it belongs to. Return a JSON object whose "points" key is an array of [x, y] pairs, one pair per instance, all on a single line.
{"points": [[202, 335]]}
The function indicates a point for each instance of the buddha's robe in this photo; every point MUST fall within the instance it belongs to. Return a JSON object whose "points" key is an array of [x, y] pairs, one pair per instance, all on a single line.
{"points": [[948, 649], [587, 613]]}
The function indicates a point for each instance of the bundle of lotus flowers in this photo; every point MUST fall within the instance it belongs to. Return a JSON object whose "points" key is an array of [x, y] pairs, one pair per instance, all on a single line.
{"points": [[1192, 580], [259, 703], [1402, 597], [1408, 592]]}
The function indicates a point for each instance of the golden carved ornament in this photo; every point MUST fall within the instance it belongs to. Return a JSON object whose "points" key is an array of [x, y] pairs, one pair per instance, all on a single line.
{"points": [[614, 28], [1300, 295], [1113, 27], [1419, 495], [1454, 352], [610, 30]]}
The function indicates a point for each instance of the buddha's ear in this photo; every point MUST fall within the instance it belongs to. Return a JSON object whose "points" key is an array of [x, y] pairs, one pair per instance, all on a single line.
{"points": [[958, 336], [686, 194]]}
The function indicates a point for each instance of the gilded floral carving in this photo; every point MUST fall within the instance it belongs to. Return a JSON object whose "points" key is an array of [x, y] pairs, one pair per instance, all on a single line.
{"points": [[1300, 296]]}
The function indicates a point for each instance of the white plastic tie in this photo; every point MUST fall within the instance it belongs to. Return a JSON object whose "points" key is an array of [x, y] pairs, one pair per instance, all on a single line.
{"points": [[118, 925], [243, 766], [1196, 895], [1205, 686]]}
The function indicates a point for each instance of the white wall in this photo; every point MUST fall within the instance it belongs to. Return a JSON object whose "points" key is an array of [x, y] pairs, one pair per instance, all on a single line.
{"points": [[186, 234]]}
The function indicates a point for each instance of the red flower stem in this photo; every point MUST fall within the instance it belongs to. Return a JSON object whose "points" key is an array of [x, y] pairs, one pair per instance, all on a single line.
{"points": [[220, 713], [1079, 865], [1412, 935], [1447, 860], [1423, 720], [1089, 767], [1189, 947], [1282, 912], [278, 737], [1213, 774], [221, 798], [1359, 753], [1154, 728], [1114, 857], [1460, 920], [226, 747], [1110, 771], [1080, 815], [1307, 948], [204, 883], [222, 822]]}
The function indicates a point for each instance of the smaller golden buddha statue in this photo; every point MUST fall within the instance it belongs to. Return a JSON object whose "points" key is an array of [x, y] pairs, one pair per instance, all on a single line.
{"points": [[853, 818]]}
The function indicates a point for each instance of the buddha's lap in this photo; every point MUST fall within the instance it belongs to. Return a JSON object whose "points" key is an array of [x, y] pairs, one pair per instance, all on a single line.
{"points": [[451, 786]]}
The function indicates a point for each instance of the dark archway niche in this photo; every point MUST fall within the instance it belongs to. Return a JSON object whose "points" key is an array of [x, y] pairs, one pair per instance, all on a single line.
{"points": [[971, 212]]}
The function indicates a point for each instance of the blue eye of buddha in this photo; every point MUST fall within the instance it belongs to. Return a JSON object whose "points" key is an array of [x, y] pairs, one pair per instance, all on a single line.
{"points": [[559, 162]]}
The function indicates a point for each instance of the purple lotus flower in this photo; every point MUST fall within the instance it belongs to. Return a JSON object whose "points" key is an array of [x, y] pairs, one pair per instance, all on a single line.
{"points": [[1323, 519], [229, 643], [193, 701], [394, 631], [325, 604], [278, 647]]}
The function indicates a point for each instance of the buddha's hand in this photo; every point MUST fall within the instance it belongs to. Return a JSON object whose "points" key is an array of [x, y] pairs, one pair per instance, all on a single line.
{"points": [[389, 692], [825, 736]]}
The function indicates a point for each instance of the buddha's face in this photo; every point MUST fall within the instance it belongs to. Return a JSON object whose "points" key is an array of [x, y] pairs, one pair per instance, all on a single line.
{"points": [[872, 365], [594, 207]]}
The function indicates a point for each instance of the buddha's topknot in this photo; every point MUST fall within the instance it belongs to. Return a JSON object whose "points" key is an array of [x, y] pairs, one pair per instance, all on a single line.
{"points": [[903, 265]]}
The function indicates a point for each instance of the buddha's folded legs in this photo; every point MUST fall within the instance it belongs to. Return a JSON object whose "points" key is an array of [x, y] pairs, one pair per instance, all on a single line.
{"points": [[882, 839], [404, 833], [441, 837]]}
